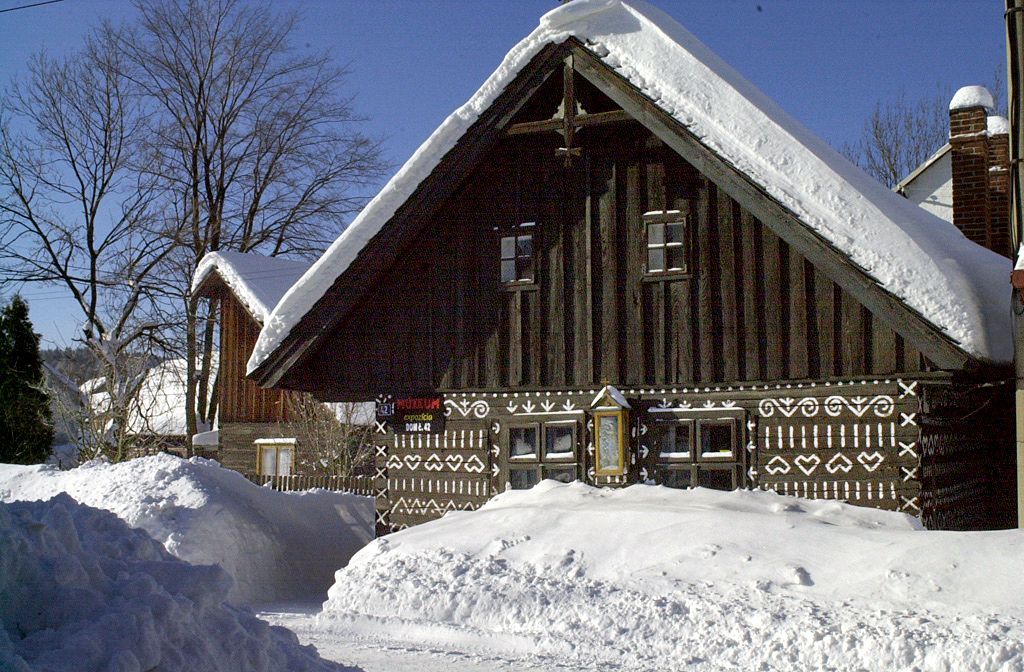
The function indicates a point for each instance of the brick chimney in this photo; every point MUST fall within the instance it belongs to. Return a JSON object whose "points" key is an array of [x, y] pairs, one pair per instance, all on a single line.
{"points": [[980, 160]]}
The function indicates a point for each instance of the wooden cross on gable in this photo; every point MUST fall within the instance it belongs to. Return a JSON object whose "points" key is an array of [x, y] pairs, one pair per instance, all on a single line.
{"points": [[568, 113], [569, 118]]}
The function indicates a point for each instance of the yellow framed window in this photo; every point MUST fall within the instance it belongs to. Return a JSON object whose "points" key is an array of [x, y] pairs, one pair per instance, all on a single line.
{"points": [[610, 443]]}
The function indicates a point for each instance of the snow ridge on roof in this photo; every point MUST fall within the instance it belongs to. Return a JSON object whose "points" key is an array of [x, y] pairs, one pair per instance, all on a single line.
{"points": [[958, 286], [259, 282]]}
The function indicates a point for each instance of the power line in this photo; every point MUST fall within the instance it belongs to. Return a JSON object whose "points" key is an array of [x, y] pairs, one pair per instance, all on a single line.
{"points": [[34, 4]]}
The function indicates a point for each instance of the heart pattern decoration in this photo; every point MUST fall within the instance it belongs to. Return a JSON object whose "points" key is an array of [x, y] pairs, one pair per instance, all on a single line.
{"points": [[807, 463]]}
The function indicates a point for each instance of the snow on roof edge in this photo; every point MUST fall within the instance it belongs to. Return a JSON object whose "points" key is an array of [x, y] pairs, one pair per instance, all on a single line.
{"points": [[925, 165], [924, 261], [257, 281]]}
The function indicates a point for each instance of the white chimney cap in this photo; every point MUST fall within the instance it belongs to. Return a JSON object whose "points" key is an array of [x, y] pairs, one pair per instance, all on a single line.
{"points": [[971, 96], [998, 125]]}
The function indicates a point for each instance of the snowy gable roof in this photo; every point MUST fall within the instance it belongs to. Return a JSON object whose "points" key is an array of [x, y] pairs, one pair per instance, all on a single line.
{"points": [[259, 282], [955, 285]]}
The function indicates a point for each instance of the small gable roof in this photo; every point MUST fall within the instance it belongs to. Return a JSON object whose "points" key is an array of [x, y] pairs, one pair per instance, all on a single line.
{"points": [[258, 282], [956, 286]]}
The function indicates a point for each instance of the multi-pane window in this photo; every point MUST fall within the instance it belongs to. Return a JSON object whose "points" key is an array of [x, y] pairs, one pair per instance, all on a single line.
{"points": [[275, 457], [517, 254], [522, 442], [700, 452], [559, 441], [666, 242], [539, 451]]}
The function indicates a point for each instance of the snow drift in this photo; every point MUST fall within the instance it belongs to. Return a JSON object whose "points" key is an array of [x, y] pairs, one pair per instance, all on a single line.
{"points": [[80, 590], [652, 578], [275, 545]]}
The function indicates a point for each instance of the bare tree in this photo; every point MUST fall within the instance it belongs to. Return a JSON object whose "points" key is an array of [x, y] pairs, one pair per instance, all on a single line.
{"points": [[900, 134], [251, 144], [74, 213], [335, 438]]}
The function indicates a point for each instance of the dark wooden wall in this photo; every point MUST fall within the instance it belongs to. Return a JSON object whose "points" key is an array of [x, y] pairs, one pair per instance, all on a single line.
{"points": [[750, 309], [241, 399]]}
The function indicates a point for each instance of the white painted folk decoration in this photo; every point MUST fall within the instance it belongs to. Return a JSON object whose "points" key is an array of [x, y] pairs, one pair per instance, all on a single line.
{"points": [[478, 408]]}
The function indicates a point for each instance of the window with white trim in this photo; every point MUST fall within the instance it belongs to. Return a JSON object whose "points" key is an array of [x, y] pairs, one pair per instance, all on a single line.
{"points": [[542, 450], [699, 452], [517, 255], [666, 242]]}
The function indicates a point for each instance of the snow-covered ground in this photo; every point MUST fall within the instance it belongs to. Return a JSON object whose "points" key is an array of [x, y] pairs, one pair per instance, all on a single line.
{"points": [[646, 578], [275, 545], [82, 591], [561, 577]]}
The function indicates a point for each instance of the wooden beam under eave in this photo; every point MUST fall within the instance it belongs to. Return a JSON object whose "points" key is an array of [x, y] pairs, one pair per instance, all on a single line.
{"points": [[580, 121], [911, 325]]}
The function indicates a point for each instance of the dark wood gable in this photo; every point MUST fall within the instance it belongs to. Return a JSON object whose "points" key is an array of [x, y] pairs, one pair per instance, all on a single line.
{"points": [[239, 398], [759, 297]]}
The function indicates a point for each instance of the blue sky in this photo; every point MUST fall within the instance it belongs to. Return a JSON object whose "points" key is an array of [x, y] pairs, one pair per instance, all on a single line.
{"points": [[413, 61]]}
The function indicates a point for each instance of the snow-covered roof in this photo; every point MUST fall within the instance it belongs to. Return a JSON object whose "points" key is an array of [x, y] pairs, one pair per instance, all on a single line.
{"points": [[928, 163], [958, 286], [259, 282], [159, 405], [612, 393]]}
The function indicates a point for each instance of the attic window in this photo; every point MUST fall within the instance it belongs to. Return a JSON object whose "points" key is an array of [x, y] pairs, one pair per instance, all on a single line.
{"points": [[517, 254], [666, 242]]}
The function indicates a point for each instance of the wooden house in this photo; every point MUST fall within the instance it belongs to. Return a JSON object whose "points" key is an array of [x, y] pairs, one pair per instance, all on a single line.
{"points": [[254, 434], [619, 262]]}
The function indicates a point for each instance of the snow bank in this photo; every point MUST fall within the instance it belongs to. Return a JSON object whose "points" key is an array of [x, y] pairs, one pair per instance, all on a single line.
{"points": [[957, 285], [275, 545], [652, 578], [259, 282], [80, 590]]}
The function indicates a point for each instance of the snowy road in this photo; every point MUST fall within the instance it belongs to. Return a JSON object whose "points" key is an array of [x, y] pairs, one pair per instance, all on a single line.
{"points": [[361, 644]]}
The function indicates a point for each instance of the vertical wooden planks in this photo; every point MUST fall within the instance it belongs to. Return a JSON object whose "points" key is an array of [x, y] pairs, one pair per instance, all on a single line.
{"points": [[727, 209], [798, 361], [578, 201], [636, 251], [854, 359], [530, 306], [883, 348], [911, 358], [773, 333], [554, 289], [656, 334], [680, 314], [605, 182], [706, 302], [750, 231], [824, 313]]}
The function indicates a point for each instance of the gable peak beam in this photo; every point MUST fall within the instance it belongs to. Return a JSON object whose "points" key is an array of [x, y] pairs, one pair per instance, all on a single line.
{"points": [[910, 324], [568, 112]]}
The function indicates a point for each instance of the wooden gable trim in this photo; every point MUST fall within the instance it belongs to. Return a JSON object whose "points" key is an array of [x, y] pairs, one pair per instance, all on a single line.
{"points": [[385, 247], [908, 323], [214, 286]]}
